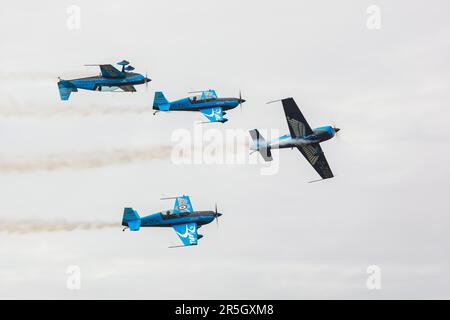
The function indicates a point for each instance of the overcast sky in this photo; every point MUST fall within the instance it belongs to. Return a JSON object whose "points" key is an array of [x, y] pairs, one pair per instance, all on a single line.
{"points": [[280, 237]]}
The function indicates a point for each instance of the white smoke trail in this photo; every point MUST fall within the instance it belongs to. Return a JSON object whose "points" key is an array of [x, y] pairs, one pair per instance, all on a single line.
{"points": [[84, 160], [19, 110], [28, 76], [40, 226]]}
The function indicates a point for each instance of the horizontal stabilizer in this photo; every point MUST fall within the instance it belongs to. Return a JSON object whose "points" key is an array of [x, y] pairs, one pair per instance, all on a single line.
{"points": [[260, 144], [65, 89]]}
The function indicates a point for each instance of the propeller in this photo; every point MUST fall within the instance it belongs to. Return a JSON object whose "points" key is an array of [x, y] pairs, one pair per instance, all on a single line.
{"points": [[216, 215], [146, 82], [240, 99]]}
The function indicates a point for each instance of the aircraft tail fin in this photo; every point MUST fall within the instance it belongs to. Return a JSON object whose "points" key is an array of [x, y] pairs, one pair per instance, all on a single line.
{"points": [[131, 219], [160, 102], [65, 89], [260, 144]]}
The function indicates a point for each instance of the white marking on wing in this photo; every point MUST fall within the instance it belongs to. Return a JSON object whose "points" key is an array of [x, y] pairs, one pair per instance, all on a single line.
{"points": [[298, 127]]}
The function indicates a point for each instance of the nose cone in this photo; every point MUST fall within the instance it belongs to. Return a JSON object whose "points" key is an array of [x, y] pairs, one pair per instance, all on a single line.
{"points": [[336, 129], [241, 100], [147, 79]]}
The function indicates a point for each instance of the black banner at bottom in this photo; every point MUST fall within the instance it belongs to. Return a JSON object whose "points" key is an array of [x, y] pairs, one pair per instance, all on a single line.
{"points": [[224, 309]]}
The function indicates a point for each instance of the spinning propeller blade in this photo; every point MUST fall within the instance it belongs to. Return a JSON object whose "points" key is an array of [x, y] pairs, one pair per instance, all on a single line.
{"points": [[241, 101], [217, 216]]}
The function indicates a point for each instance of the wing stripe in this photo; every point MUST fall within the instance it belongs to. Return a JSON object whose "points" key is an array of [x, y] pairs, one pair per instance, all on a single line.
{"points": [[187, 233], [315, 156], [213, 114], [311, 154], [298, 126]]}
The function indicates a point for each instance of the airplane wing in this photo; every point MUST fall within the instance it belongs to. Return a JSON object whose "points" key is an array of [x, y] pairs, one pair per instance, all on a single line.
{"points": [[298, 126], [315, 156], [213, 114], [128, 88], [108, 71], [187, 233], [182, 204]]}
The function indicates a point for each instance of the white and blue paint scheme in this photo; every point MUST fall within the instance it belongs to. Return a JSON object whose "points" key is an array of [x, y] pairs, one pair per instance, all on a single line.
{"points": [[301, 136], [110, 79], [206, 102], [183, 219]]}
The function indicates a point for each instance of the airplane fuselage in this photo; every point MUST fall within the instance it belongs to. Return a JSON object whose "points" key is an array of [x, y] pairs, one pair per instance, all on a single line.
{"points": [[100, 83], [319, 135], [187, 104], [168, 218]]}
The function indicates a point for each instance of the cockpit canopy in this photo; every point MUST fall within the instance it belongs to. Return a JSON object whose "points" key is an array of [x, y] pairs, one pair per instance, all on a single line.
{"points": [[170, 214], [203, 96]]}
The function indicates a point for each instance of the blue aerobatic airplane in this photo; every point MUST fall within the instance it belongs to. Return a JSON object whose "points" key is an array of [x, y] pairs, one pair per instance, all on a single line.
{"points": [[183, 219], [110, 79], [207, 102], [302, 137]]}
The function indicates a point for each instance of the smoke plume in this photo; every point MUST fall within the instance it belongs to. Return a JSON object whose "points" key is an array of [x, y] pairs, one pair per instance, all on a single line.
{"points": [[90, 160], [40, 226]]}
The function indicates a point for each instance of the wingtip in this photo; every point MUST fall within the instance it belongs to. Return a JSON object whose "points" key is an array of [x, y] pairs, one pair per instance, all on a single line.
{"points": [[273, 101], [317, 180]]}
